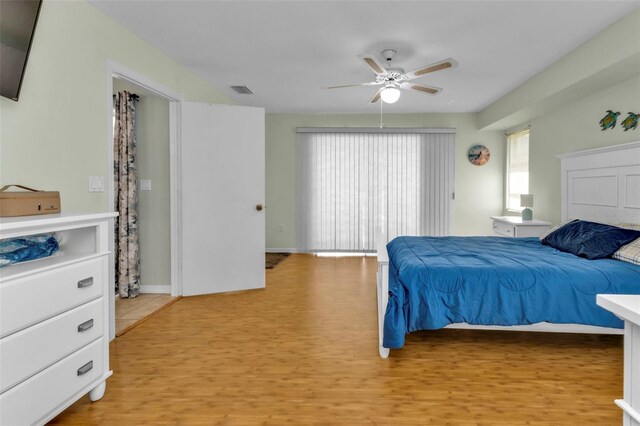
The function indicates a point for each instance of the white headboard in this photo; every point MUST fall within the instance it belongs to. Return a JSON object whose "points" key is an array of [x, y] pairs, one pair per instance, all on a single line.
{"points": [[602, 185]]}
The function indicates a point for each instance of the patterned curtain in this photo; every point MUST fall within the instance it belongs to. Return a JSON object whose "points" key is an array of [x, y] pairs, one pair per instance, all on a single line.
{"points": [[126, 197]]}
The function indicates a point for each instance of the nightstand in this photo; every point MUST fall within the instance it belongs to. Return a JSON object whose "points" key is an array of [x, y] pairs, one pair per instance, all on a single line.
{"points": [[514, 226]]}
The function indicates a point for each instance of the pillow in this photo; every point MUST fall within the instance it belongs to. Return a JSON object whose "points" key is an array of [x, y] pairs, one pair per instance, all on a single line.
{"points": [[589, 239], [629, 253], [553, 228], [548, 231], [635, 226]]}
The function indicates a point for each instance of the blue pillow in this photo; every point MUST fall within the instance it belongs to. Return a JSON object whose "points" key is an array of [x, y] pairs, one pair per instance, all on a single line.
{"points": [[589, 239]]}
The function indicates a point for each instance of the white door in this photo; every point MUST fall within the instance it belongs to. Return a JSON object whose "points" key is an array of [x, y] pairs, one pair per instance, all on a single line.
{"points": [[223, 229]]}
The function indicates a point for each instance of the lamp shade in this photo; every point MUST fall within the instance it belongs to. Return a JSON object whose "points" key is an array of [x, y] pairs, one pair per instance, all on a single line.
{"points": [[526, 200], [390, 95]]}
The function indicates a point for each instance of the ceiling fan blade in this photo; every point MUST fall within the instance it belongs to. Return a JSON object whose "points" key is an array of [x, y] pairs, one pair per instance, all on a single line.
{"points": [[373, 63], [431, 90], [376, 97], [437, 66], [371, 83]]}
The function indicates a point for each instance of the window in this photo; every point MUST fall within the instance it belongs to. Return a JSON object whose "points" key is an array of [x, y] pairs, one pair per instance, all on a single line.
{"points": [[517, 168], [351, 183]]}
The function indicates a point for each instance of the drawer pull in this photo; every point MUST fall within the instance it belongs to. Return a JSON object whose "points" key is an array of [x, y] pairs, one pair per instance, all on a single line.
{"points": [[85, 368], [85, 283], [85, 326]]}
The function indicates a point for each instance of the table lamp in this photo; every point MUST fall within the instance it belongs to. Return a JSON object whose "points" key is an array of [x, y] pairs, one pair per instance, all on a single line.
{"points": [[526, 201]]}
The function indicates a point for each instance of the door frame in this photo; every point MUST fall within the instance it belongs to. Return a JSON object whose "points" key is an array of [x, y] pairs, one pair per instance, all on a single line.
{"points": [[116, 70]]}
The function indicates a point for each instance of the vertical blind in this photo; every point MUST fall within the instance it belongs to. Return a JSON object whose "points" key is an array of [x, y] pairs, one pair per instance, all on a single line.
{"points": [[350, 183]]}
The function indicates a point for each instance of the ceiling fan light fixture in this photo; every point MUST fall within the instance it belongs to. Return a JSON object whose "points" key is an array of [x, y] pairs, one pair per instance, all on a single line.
{"points": [[392, 79], [390, 95]]}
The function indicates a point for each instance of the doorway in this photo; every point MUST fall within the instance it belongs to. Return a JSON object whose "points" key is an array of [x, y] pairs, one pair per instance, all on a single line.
{"points": [[131, 312], [152, 250], [157, 113]]}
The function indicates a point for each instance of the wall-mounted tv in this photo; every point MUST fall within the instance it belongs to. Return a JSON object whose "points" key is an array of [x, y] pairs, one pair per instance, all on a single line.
{"points": [[17, 24]]}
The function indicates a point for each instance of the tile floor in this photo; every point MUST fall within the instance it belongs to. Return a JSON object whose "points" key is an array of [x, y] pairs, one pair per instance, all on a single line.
{"points": [[130, 312]]}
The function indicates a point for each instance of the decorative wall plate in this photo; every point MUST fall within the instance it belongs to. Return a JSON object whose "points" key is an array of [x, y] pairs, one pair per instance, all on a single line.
{"points": [[479, 155]]}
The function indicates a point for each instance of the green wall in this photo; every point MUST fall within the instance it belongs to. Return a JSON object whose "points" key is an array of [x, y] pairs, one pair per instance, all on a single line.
{"points": [[479, 190], [574, 127], [610, 57], [55, 137], [564, 103]]}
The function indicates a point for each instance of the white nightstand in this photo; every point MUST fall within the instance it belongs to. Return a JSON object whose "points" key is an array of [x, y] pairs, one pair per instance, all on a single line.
{"points": [[514, 226]]}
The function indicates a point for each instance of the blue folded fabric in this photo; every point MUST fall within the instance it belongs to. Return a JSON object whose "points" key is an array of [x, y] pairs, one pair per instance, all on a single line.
{"points": [[33, 247], [590, 240]]}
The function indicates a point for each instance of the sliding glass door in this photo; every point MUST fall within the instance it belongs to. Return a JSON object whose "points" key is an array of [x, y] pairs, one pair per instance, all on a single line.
{"points": [[350, 182]]}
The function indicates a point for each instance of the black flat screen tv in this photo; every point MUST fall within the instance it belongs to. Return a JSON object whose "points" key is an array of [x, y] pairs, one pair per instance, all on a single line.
{"points": [[17, 25]]}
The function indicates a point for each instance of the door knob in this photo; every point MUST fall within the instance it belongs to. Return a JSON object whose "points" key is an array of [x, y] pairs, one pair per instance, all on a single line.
{"points": [[259, 207]]}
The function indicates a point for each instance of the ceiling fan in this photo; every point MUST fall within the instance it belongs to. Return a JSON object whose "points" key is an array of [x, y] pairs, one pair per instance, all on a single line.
{"points": [[393, 79]]}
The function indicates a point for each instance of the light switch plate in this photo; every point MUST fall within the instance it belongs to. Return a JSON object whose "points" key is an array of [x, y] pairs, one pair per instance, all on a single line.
{"points": [[145, 184], [96, 184]]}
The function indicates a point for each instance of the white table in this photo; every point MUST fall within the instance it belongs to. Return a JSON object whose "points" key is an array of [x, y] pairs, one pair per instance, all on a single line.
{"points": [[515, 226], [627, 308]]}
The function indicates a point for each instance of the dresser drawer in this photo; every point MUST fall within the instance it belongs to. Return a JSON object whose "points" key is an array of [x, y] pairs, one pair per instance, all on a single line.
{"points": [[28, 300], [33, 349], [504, 229], [31, 400]]}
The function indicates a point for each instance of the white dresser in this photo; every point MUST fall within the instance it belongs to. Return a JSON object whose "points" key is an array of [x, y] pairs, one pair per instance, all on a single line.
{"points": [[627, 308], [54, 319], [516, 227]]}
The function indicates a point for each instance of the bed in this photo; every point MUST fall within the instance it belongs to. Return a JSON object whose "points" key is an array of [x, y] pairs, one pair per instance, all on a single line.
{"points": [[518, 284]]}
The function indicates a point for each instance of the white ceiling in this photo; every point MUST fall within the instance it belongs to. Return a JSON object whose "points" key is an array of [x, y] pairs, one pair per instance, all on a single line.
{"points": [[285, 51]]}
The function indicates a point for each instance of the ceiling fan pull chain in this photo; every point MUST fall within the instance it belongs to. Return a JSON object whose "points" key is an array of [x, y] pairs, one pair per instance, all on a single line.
{"points": [[381, 125]]}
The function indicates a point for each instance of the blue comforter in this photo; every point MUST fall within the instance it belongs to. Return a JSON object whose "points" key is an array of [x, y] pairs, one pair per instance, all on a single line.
{"points": [[436, 281]]}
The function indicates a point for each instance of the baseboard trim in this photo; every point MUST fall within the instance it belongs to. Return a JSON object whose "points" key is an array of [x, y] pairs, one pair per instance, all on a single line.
{"points": [[162, 289], [281, 250]]}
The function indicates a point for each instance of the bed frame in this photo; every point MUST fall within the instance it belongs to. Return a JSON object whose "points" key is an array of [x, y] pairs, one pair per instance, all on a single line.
{"points": [[600, 185]]}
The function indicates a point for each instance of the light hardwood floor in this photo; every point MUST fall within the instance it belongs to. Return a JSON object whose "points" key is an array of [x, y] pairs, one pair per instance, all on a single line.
{"points": [[130, 312], [304, 350]]}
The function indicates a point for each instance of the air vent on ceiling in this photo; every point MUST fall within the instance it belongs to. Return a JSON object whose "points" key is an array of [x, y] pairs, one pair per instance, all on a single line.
{"points": [[243, 90]]}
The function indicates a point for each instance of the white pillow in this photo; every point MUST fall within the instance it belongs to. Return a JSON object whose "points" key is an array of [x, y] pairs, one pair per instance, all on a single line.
{"points": [[635, 226], [629, 253]]}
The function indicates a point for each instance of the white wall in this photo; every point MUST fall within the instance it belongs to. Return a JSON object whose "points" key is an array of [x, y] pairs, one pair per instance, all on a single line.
{"points": [[479, 190]]}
